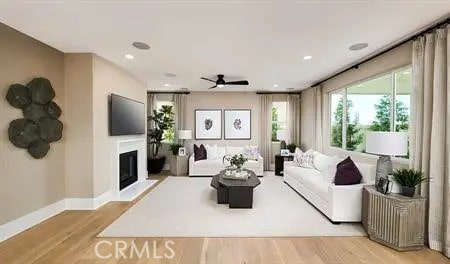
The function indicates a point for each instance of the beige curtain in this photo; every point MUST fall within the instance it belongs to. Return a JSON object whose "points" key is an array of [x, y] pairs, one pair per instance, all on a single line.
{"points": [[265, 144], [294, 118], [430, 130], [179, 102], [151, 104], [318, 140]]}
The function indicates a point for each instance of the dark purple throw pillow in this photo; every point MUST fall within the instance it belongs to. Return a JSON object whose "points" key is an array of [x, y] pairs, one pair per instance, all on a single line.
{"points": [[347, 173], [199, 152]]}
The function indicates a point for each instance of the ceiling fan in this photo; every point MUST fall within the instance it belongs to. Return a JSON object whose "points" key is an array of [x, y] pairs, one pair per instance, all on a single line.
{"points": [[221, 82]]}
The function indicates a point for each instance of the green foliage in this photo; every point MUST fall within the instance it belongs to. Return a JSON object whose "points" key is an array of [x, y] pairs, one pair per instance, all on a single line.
{"points": [[174, 148], [163, 120], [409, 177], [275, 125], [236, 160], [383, 116], [291, 147], [354, 135]]}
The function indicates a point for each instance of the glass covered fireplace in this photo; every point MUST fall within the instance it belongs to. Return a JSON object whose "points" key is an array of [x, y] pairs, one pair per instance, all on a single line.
{"points": [[128, 168]]}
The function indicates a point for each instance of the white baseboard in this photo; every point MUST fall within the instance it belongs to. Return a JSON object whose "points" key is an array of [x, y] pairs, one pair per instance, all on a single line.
{"points": [[25, 222], [88, 203]]}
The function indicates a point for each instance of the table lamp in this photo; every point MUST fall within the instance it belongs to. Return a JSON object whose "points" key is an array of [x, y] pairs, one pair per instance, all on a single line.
{"points": [[386, 144], [184, 134]]}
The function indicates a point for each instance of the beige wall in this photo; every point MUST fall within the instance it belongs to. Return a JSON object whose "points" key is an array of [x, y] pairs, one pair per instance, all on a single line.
{"points": [[79, 127], [107, 79], [28, 184], [396, 58], [307, 119], [223, 100]]}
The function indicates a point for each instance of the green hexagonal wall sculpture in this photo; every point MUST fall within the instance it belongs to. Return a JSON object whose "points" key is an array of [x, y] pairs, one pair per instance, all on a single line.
{"points": [[40, 125]]}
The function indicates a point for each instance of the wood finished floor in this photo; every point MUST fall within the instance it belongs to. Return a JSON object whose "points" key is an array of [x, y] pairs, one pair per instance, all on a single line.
{"points": [[70, 237]]}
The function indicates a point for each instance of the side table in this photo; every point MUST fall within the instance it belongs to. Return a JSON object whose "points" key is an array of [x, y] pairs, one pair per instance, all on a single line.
{"points": [[179, 165], [279, 163], [394, 220]]}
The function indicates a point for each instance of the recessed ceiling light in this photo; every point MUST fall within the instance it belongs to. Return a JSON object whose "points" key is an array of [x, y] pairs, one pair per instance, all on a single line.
{"points": [[358, 46], [275, 85], [129, 56], [308, 57], [290, 88], [170, 75], [166, 85], [141, 45]]}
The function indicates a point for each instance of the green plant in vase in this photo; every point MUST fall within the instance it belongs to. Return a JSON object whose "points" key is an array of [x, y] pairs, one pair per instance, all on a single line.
{"points": [[236, 161], [291, 147], [174, 148], [408, 179]]}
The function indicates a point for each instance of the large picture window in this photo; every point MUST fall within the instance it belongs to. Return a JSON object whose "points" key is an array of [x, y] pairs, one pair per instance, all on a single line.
{"points": [[279, 118], [367, 106], [169, 134]]}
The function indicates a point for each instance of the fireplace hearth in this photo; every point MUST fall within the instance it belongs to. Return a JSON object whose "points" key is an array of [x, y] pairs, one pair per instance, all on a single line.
{"points": [[128, 170]]}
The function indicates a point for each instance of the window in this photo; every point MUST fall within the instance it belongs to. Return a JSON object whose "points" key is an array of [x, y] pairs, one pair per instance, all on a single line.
{"points": [[169, 134], [279, 118], [367, 106]]}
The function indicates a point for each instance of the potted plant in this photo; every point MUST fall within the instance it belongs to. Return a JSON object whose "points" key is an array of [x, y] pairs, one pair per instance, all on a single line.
{"points": [[174, 148], [291, 147], [163, 120], [236, 161], [408, 179]]}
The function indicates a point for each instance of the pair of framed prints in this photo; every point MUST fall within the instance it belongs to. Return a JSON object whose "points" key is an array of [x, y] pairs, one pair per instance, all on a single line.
{"points": [[237, 124]]}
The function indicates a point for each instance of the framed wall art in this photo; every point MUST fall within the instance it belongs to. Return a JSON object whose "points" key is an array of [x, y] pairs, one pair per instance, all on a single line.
{"points": [[238, 124], [208, 124]]}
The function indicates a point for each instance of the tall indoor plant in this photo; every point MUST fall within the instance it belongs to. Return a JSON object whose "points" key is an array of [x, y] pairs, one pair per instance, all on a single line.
{"points": [[163, 120]]}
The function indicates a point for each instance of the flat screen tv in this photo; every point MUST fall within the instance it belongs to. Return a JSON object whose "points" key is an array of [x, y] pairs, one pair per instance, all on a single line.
{"points": [[126, 116]]}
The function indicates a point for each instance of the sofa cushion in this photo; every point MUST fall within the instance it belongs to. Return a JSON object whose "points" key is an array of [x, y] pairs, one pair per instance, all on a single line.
{"points": [[318, 186], [199, 152], [209, 163], [299, 173], [211, 152], [234, 150], [221, 152], [347, 173]]}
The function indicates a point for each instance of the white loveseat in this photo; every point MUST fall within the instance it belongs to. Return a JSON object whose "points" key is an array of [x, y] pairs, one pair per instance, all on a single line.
{"points": [[210, 167], [340, 203]]}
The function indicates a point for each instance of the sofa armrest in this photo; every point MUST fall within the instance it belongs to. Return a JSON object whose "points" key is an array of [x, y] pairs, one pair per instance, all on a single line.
{"points": [[191, 164], [288, 164], [346, 202]]}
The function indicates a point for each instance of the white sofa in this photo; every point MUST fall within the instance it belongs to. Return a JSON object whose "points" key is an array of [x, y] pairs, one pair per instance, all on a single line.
{"points": [[210, 167], [340, 203]]}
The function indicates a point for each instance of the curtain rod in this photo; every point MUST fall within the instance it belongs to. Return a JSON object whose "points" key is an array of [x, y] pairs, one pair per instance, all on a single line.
{"points": [[299, 92], [167, 92], [356, 65]]}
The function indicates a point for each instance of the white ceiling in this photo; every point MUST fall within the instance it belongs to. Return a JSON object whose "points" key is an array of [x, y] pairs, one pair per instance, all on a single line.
{"points": [[261, 41]]}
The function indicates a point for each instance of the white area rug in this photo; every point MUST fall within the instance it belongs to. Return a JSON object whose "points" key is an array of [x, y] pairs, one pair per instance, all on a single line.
{"points": [[187, 207]]}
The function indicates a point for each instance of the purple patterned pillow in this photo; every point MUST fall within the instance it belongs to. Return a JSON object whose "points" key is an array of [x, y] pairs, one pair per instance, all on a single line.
{"points": [[251, 152], [347, 173], [199, 152]]}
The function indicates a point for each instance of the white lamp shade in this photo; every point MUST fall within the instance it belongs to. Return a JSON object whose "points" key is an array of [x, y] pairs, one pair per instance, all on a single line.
{"points": [[283, 134], [387, 143], [184, 134]]}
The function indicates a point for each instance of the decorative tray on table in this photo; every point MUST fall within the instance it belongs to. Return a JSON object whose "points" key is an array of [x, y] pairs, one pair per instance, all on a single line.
{"points": [[235, 175]]}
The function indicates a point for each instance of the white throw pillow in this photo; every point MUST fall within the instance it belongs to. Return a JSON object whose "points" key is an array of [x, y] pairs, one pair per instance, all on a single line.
{"points": [[321, 161], [304, 159], [251, 152], [329, 173], [211, 152]]}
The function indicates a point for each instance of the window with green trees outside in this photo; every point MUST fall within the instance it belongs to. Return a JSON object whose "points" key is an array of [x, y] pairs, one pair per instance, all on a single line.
{"points": [[367, 106]]}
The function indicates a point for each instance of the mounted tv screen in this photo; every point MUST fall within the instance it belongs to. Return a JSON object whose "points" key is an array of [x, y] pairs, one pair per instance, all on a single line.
{"points": [[126, 116]]}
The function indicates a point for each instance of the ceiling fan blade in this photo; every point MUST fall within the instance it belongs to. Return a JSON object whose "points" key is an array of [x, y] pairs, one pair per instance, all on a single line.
{"points": [[237, 83], [212, 87], [207, 79]]}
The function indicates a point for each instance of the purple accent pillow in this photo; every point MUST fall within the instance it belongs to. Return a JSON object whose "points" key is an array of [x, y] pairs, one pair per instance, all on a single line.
{"points": [[199, 152], [347, 173]]}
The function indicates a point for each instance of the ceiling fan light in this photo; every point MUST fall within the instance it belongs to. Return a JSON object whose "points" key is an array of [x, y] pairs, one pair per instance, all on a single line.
{"points": [[221, 85]]}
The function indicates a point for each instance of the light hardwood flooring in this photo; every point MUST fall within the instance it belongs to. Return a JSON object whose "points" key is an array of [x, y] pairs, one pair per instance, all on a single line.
{"points": [[70, 237]]}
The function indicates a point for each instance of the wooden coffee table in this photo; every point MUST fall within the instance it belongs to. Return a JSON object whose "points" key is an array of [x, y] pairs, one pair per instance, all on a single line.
{"points": [[235, 193]]}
